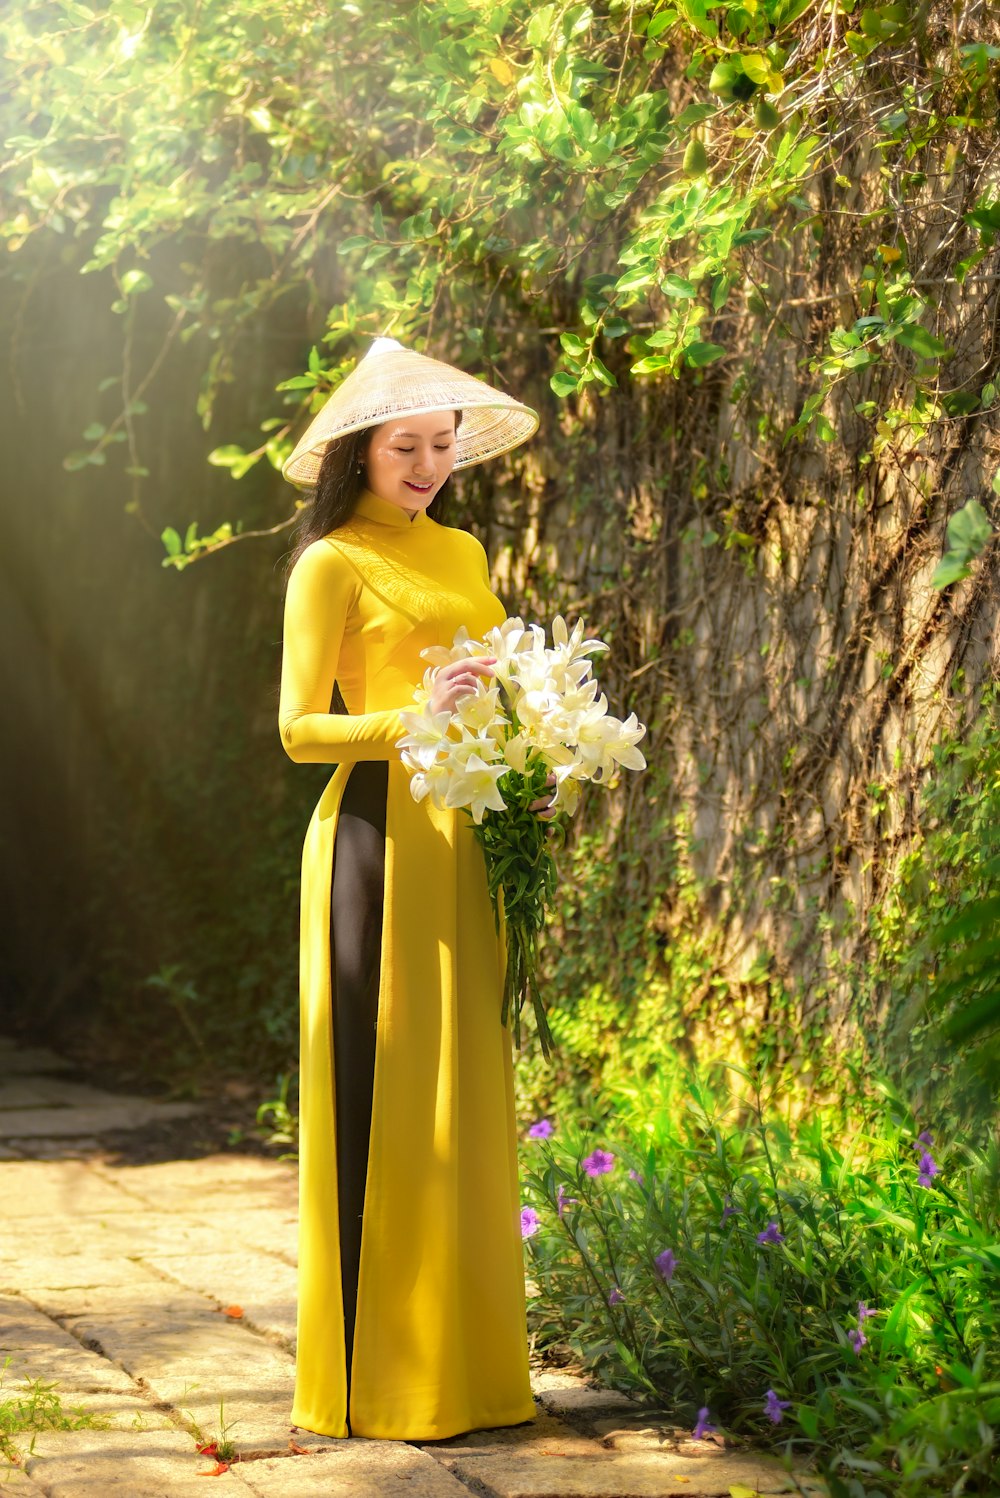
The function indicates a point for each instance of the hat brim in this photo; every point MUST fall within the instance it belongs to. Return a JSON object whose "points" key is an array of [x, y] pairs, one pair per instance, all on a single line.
{"points": [[404, 383]]}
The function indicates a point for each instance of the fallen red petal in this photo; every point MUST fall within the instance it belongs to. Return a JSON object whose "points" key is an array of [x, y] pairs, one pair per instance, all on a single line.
{"points": [[210, 1450], [217, 1470], [234, 1311]]}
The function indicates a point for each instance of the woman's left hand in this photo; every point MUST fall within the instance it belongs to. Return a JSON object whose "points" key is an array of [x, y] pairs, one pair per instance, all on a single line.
{"points": [[544, 802]]}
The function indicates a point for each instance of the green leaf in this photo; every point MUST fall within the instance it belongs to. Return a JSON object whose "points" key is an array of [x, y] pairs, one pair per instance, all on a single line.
{"points": [[700, 354], [949, 569], [660, 23], [602, 371], [563, 383], [969, 529], [134, 281], [354, 242], [920, 341], [677, 286], [94, 431], [540, 26], [171, 541]]}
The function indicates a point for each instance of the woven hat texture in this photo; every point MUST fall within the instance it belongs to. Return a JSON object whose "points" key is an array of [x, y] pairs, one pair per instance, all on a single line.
{"points": [[391, 381]]}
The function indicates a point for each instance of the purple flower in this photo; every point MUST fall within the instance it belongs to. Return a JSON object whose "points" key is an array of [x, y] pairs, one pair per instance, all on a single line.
{"points": [[563, 1201], [728, 1210], [541, 1130], [928, 1168], [771, 1234], [529, 1222], [857, 1338], [616, 1297], [702, 1426], [666, 1263], [926, 1139], [774, 1407], [863, 1312], [599, 1163], [635, 1176]]}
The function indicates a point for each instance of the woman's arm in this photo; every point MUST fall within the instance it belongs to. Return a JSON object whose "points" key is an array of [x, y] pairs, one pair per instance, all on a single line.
{"points": [[321, 590]]}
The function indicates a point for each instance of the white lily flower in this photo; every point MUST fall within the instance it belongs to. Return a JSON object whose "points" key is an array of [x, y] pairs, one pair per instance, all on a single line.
{"points": [[476, 787], [422, 745], [479, 709]]}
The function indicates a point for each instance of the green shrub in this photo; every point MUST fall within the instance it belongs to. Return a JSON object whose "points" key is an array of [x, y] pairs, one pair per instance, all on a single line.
{"points": [[829, 1286]]}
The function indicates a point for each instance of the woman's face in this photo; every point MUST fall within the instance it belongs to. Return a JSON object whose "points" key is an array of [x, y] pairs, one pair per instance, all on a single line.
{"points": [[409, 459]]}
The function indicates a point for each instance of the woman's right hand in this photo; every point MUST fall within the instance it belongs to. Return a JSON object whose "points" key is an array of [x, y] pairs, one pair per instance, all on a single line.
{"points": [[457, 679]]}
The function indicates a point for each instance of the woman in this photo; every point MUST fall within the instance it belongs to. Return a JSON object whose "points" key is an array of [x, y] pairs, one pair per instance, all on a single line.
{"points": [[411, 1312]]}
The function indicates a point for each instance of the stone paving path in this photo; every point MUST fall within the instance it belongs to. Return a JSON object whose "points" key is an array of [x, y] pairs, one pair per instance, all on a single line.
{"points": [[154, 1294]]}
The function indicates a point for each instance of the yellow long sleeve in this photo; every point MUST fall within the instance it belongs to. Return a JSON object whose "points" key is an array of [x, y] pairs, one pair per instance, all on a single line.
{"points": [[322, 589]]}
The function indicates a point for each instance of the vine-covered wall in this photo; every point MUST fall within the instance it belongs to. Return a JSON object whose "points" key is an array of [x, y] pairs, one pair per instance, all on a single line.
{"points": [[742, 257]]}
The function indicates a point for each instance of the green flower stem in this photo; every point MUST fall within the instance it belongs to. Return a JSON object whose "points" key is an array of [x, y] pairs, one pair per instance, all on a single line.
{"points": [[519, 862]]}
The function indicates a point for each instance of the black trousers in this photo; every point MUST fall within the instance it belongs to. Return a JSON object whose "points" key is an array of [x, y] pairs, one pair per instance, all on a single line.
{"points": [[355, 951]]}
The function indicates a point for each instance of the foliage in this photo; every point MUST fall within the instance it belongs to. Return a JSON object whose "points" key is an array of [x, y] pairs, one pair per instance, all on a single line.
{"points": [[710, 1250], [280, 1114], [934, 952], [38, 1406], [622, 175], [774, 221]]}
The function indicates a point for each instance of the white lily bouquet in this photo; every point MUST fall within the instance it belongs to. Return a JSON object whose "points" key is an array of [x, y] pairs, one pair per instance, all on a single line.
{"points": [[540, 714]]}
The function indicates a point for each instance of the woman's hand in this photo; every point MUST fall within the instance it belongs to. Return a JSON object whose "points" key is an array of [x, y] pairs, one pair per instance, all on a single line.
{"points": [[457, 679], [544, 801]]}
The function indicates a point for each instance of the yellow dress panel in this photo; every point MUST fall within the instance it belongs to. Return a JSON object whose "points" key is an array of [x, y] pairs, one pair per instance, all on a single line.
{"points": [[440, 1337]]}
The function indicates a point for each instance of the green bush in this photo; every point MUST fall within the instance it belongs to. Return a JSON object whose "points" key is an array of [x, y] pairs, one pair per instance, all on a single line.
{"points": [[829, 1286]]}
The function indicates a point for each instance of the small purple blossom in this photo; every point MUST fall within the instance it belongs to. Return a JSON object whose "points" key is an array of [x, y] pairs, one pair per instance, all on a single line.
{"points": [[666, 1263], [563, 1201], [616, 1297], [728, 1210], [542, 1129], [863, 1312], [774, 1407], [702, 1427], [771, 1234], [857, 1338], [635, 1176], [529, 1222], [928, 1169], [926, 1139], [599, 1163]]}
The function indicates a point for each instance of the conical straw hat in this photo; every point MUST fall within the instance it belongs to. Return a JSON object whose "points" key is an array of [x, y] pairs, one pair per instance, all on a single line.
{"points": [[395, 381]]}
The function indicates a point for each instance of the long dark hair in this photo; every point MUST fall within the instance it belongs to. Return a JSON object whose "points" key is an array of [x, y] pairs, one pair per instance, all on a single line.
{"points": [[338, 489]]}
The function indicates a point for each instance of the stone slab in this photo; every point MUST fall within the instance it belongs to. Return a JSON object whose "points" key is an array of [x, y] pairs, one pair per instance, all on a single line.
{"points": [[586, 1404], [89, 1119], [185, 1354], [15, 1483], [75, 1147], [61, 1189], [38, 1347], [244, 1181], [95, 1463], [543, 1379], [71, 1271], [264, 1287], [611, 1476], [545, 1434], [31, 1091], [652, 1432], [16, 1059], [124, 1234], [355, 1468]]}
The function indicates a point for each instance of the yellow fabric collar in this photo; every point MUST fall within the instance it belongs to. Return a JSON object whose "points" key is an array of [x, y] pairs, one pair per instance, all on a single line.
{"points": [[372, 507]]}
